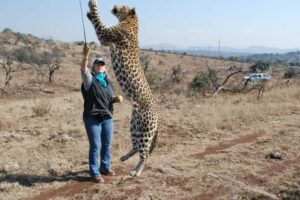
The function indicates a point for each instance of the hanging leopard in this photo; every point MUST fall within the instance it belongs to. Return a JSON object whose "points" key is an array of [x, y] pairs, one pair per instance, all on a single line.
{"points": [[123, 42]]}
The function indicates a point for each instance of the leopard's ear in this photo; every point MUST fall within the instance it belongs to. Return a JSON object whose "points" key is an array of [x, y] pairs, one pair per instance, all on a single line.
{"points": [[132, 11]]}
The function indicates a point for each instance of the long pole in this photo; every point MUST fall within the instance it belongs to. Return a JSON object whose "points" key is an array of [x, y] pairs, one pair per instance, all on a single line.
{"points": [[82, 23]]}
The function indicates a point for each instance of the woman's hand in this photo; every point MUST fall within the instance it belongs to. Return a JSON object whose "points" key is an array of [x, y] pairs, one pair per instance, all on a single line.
{"points": [[117, 99], [86, 52]]}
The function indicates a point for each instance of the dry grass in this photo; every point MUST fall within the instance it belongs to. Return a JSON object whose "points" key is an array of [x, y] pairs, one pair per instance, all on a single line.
{"points": [[41, 109], [233, 133], [247, 107]]}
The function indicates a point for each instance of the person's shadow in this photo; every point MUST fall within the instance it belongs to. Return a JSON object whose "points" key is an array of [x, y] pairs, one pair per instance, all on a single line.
{"points": [[29, 180]]}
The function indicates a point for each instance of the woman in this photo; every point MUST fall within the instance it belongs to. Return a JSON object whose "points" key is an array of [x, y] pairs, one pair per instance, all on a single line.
{"points": [[98, 98]]}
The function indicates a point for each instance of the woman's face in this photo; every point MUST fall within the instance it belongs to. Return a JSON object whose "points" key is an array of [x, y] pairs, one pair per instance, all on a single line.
{"points": [[99, 68]]}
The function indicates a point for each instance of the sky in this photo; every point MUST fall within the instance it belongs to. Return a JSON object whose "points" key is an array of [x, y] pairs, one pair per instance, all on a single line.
{"points": [[183, 23]]}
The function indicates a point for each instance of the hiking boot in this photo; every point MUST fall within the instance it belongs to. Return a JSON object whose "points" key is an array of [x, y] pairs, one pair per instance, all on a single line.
{"points": [[97, 179], [108, 173]]}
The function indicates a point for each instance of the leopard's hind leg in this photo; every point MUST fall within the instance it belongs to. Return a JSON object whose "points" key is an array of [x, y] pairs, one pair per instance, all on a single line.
{"points": [[144, 154], [134, 137], [144, 143]]}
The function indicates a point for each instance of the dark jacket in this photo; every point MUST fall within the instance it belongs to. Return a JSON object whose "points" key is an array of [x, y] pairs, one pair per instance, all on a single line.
{"points": [[98, 101]]}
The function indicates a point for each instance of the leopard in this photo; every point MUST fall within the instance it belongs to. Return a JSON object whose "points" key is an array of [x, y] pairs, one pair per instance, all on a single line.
{"points": [[122, 40]]}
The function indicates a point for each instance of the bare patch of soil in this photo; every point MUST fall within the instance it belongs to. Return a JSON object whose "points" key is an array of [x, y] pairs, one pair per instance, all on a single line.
{"points": [[226, 145], [280, 167], [67, 190]]}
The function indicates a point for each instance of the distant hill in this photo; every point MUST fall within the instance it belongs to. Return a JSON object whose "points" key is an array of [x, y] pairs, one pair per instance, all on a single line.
{"points": [[224, 51], [286, 57], [8, 36]]}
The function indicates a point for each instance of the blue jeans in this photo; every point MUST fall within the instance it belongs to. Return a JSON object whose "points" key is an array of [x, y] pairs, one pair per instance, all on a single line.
{"points": [[100, 138]]}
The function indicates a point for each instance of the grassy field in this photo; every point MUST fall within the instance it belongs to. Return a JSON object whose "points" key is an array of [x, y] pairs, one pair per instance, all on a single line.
{"points": [[209, 148]]}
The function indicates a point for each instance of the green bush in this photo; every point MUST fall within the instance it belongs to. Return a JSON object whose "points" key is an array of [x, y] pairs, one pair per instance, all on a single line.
{"points": [[200, 81], [259, 65], [213, 74], [200, 84]]}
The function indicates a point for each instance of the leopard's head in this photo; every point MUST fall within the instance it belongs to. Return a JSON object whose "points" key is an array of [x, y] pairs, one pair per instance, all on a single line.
{"points": [[123, 12]]}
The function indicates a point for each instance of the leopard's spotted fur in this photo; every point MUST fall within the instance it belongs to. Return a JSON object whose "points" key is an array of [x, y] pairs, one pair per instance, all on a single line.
{"points": [[123, 42]]}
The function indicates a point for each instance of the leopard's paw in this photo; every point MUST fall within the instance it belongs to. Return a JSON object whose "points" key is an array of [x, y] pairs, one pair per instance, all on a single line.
{"points": [[89, 15], [92, 3]]}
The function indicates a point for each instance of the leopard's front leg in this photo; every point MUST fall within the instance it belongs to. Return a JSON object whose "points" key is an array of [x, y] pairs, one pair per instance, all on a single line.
{"points": [[105, 35], [94, 17], [93, 14]]}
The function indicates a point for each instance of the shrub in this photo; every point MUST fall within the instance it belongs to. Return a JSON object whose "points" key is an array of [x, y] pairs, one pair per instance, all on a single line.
{"points": [[145, 61], [57, 53], [213, 74], [259, 65], [153, 79], [50, 42], [294, 64], [41, 109], [177, 74], [26, 55], [80, 43], [7, 30], [290, 73], [3, 51], [161, 62], [200, 84], [200, 81], [21, 37]]}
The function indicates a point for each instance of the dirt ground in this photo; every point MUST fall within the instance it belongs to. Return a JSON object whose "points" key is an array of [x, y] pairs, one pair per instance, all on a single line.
{"points": [[208, 148]]}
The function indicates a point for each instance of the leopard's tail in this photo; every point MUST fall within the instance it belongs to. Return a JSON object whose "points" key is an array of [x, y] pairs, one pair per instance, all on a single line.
{"points": [[154, 141]]}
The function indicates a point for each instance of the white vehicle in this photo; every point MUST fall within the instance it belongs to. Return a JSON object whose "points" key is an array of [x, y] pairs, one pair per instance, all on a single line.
{"points": [[257, 77]]}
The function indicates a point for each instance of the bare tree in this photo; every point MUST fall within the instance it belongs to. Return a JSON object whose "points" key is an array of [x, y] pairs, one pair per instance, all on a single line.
{"points": [[7, 66], [212, 83], [176, 76], [260, 86], [49, 60], [52, 60], [217, 83], [265, 85], [221, 84], [52, 69]]}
